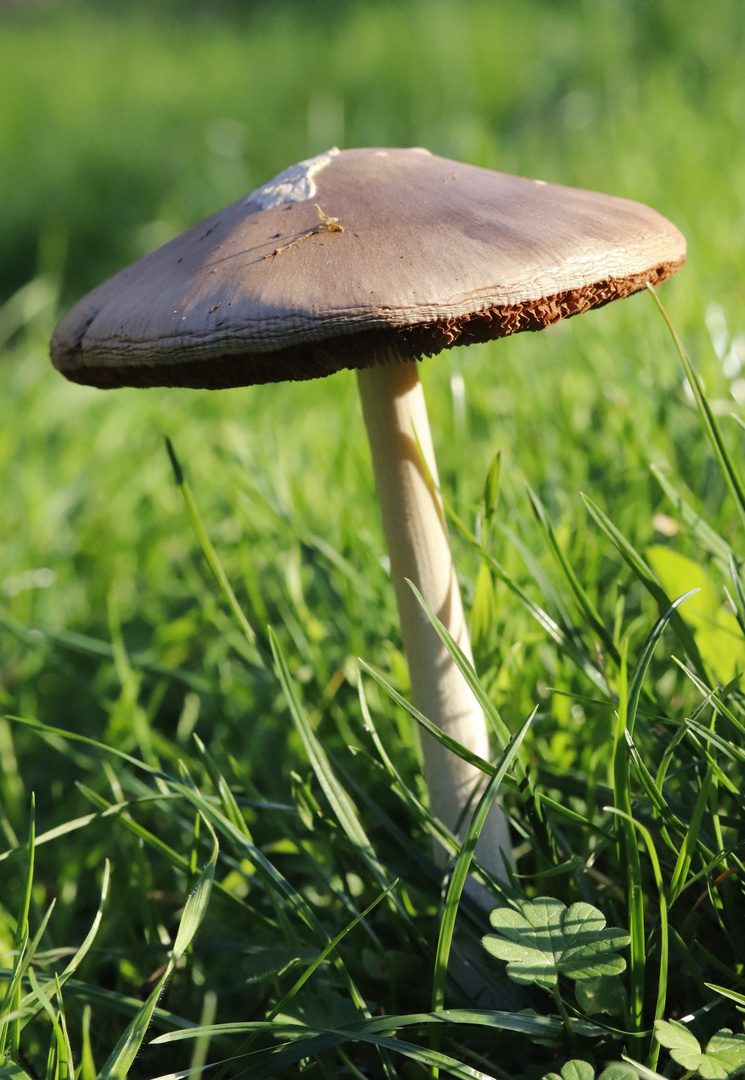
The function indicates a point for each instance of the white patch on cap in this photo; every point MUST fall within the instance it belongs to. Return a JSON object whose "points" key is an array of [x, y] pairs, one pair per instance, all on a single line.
{"points": [[292, 185]]}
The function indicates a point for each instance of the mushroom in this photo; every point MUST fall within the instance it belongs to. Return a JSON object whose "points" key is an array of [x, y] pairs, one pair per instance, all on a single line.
{"points": [[371, 259]]}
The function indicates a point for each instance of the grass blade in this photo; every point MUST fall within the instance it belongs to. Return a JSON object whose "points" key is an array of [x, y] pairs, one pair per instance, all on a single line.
{"points": [[527, 787], [662, 980], [646, 576], [340, 802], [699, 529], [549, 625], [645, 658], [628, 856], [446, 740], [323, 955], [462, 863], [207, 547], [11, 1070], [722, 454], [124, 1053], [584, 602], [690, 839], [378, 1031], [13, 993]]}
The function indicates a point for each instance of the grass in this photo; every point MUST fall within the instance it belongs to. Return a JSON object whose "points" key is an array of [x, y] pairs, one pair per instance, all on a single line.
{"points": [[256, 793]]}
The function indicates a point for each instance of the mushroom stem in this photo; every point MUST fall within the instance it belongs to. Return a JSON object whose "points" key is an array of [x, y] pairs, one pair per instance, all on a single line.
{"points": [[416, 535]]}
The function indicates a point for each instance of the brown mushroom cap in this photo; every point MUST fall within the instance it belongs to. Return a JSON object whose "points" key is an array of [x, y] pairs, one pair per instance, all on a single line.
{"points": [[433, 253]]}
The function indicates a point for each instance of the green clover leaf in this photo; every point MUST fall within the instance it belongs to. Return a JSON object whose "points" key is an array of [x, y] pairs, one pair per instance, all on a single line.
{"points": [[724, 1055], [603, 995], [582, 1070], [543, 939], [573, 1070]]}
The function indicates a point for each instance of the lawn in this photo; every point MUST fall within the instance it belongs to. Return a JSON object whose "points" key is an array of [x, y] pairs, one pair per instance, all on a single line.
{"points": [[254, 793]]}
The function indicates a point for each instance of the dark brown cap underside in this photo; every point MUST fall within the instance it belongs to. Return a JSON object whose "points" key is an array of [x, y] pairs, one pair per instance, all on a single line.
{"points": [[313, 360]]}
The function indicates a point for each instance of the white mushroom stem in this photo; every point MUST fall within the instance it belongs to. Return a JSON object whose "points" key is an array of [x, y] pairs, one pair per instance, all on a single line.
{"points": [[416, 535]]}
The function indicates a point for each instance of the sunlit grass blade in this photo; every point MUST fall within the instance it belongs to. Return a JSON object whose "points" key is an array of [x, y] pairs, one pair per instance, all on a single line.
{"points": [[230, 806], [581, 597], [628, 856], [714, 698], [87, 1063], [12, 998], [208, 549], [645, 657], [700, 529], [378, 1031], [338, 798], [722, 454], [80, 953], [195, 908], [466, 669], [527, 786], [707, 735], [641, 1070], [61, 1052], [549, 625], [725, 992], [646, 576], [437, 829], [690, 840], [402, 787], [340, 802], [656, 799], [447, 741], [459, 874], [739, 596], [664, 936], [530, 1024]]}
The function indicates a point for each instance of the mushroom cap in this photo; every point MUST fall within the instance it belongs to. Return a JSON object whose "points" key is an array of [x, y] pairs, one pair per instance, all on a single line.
{"points": [[431, 253]]}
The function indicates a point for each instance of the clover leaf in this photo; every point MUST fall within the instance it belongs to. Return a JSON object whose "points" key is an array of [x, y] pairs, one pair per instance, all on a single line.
{"points": [[543, 939], [724, 1055], [602, 995], [573, 1070], [582, 1070], [619, 1070]]}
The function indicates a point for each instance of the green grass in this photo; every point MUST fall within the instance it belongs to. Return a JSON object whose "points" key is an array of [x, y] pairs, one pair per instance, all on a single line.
{"points": [[155, 710]]}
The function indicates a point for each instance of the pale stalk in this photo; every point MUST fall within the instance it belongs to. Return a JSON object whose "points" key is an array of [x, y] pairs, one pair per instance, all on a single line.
{"points": [[416, 536]]}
